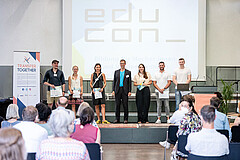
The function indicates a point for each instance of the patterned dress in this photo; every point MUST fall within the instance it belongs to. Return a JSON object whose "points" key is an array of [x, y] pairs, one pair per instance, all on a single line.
{"points": [[62, 149], [189, 124]]}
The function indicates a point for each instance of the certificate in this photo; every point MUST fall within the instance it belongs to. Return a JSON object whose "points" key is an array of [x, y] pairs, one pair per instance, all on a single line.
{"points": [[56, 92], [97, 94], [165, 94], [76, 94]]}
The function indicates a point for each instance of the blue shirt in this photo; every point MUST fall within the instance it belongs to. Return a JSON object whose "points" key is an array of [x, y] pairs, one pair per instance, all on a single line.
{"points": [[121, 78], [221, 122]]}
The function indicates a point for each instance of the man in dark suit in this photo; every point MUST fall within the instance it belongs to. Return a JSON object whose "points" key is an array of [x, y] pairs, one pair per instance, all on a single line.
{"points": [[122, 85]]}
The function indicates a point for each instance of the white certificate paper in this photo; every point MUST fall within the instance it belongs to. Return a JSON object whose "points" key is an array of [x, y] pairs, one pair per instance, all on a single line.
{"points": [[56, 92], [165, 94], [76, 94], [97, 94]]}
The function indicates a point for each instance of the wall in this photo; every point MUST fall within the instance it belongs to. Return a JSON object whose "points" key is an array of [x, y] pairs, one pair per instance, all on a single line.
{"points": [[36, 25]]}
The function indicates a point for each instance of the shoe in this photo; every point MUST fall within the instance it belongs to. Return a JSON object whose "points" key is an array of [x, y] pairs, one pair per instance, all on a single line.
{"points": [[116, 121], [98, 122], [158, 121], [125, 122], [105, 122], [168, 121], [139, 122], [165, 144]]}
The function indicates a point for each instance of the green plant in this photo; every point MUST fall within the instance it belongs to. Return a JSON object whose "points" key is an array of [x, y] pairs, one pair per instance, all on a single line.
{"points": [[227, 93]]}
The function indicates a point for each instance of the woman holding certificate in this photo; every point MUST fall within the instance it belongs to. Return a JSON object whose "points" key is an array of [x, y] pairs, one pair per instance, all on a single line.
{"points": [[98, 83], [142, 80], [75, 86]]}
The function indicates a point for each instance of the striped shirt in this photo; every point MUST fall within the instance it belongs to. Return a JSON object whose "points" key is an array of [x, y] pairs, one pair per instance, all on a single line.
{"points": [[62, 149]]}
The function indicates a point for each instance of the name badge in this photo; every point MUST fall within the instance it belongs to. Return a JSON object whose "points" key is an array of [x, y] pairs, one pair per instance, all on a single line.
{"points": [[127, 76], [55, 75]]}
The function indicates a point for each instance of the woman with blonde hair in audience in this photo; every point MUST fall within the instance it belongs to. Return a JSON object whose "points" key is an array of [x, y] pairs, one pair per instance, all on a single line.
{"points": [[12, 116], [84, 131], [62, 146], [12, 146]]}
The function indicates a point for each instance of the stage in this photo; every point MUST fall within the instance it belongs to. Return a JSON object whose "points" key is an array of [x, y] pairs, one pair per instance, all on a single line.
{"points": [[133, 133]]}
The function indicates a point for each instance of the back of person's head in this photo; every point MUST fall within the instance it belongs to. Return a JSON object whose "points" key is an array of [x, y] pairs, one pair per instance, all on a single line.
{"points": [[29, 113], [86, 116], [62, 101], [215, 101], [12, 112], [61, 122], [81, 107], [43, 111], [208, 113], [12, 146]]}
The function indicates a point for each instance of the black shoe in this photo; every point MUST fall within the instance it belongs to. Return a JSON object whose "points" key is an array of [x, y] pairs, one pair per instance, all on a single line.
{"points": [[125, 122], [116, 121]]}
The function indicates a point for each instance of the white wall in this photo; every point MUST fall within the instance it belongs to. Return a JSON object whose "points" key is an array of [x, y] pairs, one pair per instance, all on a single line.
{"points": [[36, 25], [32, 25], [223, 32]]}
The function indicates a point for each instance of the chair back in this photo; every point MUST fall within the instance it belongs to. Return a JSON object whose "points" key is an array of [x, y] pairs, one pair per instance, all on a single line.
{"points": [[172, 131], [224, 132], [234, 151], [235, 133], [94, 151], [182, 142], [31, 156]]}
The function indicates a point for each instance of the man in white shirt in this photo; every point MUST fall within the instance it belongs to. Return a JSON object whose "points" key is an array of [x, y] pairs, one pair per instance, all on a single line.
{"points": [[181, 75], [162, 81], [207, 142], [32, 133]]}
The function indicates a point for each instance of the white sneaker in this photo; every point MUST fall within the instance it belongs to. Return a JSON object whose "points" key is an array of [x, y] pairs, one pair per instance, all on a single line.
{"points": [[158, 121], [165, 144], [168, 121]]}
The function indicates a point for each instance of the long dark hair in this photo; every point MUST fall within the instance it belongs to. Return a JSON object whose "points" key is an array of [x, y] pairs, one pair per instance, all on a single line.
{"points": [[97, 64], [144, 71]]}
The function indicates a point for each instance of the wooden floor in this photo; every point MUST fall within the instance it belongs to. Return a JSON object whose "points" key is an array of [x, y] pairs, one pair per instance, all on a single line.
{"points": [[134, 152]]}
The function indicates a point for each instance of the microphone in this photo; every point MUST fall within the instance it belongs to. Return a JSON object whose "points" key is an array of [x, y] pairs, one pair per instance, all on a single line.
{"points": [[197, 79], [210, 79]]}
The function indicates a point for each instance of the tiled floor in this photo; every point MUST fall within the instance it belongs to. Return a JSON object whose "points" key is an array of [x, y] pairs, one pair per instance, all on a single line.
{"points": [[134, 152]]}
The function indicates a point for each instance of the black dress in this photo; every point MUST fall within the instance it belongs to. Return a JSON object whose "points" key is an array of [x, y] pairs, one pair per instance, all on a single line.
{"points": [[98, 84]]}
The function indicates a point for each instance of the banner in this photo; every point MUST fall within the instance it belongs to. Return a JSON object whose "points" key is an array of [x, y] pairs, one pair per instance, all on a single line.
{"points": [[26, 79]]}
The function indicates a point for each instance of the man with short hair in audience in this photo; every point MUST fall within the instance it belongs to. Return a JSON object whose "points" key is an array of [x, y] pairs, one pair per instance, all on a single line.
{"points": [[62, 103], [32, 133], [207, 142], [221, 121]]}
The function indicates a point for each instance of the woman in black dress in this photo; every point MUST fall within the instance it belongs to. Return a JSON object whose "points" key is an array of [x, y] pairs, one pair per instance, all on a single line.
{"points": [[98, 83]]}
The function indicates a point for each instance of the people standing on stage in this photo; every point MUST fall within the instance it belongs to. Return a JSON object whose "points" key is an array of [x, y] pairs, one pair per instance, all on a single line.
{"points": [[75, 86], [122, 86], [54, 78], [181, 75], [142, 80], [98, 83], [162, 81]]}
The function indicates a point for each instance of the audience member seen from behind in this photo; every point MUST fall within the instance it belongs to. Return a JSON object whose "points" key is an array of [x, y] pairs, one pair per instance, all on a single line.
{"points": [[12, 145], [80, 108], [44, 113], [62, 146], [207, 142], [221, 121], [32, 133], [12, 116], [85, 132]]}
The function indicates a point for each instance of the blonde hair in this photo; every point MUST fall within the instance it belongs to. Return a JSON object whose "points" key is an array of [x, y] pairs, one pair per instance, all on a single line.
{"points": [[12, 145], [12, 111]]}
